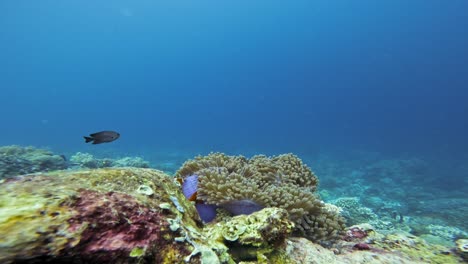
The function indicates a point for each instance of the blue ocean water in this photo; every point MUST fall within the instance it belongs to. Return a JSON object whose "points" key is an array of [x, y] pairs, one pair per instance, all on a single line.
{"points": [[241, 77], [372, 95]]}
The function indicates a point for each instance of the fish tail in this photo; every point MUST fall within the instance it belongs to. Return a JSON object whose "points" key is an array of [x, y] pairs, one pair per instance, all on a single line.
{"points": [[88, 139]]}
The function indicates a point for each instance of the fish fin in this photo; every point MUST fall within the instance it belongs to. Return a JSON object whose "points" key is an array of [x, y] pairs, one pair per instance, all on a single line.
{"points": [[88, 139], [193, 197], [96, 142], [94, 134]]}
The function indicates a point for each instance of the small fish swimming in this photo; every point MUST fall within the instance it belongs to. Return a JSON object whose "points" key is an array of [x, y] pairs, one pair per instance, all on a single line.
{"points": [[102, 137]]}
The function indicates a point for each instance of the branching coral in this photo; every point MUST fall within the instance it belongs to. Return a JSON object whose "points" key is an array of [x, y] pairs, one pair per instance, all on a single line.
{"points": [[281, 181]]}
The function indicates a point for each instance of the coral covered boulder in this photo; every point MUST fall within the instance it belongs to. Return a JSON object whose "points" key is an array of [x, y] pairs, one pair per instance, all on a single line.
{"points": [[94, 216]]}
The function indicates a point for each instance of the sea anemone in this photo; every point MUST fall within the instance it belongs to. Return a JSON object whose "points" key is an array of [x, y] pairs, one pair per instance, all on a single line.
{"points": [[242, 186]]}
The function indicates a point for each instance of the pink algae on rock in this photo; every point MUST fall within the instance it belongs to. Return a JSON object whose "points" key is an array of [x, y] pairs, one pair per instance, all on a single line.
{"points": [[114, 224]]}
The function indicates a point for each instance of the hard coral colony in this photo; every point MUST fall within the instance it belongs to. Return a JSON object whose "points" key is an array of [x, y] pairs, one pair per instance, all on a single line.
{"points": [[241, 185]]}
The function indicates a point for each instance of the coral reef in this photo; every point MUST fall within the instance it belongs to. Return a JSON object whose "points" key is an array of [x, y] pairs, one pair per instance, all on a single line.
{"points": [[449, 233], [368, 175], [87, 160], [452, 210], [136, 162], [433, 230], [410, 169], [134, 215], [281, 181], [384, 208], [16, 160], [393, 194], [353, 211]]}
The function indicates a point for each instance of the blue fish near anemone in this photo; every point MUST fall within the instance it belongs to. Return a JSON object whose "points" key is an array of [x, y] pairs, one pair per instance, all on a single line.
{"points": [[207, 212], [190, 187], [239, 207]]}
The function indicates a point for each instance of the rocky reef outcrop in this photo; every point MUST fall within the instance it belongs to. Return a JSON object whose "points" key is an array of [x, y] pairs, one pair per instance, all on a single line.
{"points": [[92, 216]]}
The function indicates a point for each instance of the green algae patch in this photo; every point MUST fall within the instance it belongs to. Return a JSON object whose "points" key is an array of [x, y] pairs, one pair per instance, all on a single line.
{"points": [[137, 252]]}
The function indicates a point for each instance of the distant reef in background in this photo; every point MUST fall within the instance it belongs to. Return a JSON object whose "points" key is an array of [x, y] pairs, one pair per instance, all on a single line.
{"points": [[17, 160]]}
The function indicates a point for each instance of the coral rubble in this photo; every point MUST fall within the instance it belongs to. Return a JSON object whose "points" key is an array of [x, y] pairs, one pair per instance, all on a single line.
{"points": [[401, 248], [353, 211]]}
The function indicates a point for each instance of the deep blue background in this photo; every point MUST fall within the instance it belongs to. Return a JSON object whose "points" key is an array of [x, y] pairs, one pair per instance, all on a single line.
{"points": [[236, 76]]}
